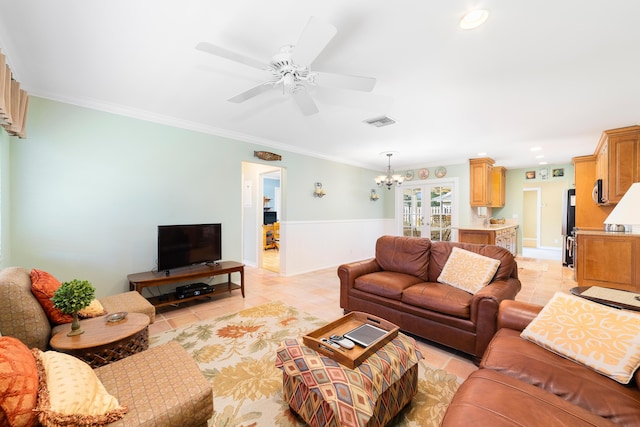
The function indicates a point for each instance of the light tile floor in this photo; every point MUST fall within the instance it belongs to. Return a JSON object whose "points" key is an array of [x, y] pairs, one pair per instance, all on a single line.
{"points": [[318, 293]]}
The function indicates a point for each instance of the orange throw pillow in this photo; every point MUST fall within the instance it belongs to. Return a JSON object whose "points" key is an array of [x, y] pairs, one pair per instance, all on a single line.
{"points": [[18, 383], [43, 285]]}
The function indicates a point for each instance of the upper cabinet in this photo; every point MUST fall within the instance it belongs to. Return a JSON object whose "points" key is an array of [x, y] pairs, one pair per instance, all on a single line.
{"points": [[498, 185], [481, 181], [487, 183], [618, 162]]}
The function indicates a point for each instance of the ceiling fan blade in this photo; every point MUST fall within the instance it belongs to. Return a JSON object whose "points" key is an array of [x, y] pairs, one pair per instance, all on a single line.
{"points": [[345, 81], [305, 102], [233, 56], [314, 38], [254, 91]]}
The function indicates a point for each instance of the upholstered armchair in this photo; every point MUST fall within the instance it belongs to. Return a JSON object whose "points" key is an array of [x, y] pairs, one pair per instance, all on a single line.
{"points": [[161, 386]]}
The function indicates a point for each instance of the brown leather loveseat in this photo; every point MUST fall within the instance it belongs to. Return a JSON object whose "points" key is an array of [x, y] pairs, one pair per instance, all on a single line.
{"points": [[400, 285], [522, 384]]}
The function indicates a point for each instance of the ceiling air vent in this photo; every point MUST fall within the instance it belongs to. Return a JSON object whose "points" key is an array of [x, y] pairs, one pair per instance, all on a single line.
{"points": [[380, 121]]}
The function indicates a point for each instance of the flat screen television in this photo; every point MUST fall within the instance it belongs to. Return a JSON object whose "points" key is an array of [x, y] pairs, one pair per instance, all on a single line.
{"points": [[184, 245], [270, 217]]}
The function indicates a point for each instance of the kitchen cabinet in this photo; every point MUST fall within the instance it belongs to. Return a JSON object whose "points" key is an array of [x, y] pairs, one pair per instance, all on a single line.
{"points": [[505, 236], [498, 186], [618, 162], [608, 259], [481, 181], [588, 214]]}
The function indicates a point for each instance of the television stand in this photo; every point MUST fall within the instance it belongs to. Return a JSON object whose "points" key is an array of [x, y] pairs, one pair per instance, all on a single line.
{"points": [[139, 281]]}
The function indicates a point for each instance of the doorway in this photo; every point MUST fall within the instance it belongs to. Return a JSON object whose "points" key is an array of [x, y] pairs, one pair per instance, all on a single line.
{"points": [[531, 218], [261, 181], [428, 210], [270, 230]]}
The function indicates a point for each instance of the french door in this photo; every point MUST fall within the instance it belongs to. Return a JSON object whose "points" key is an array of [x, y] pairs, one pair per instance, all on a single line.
{"points": [[427, 209]]}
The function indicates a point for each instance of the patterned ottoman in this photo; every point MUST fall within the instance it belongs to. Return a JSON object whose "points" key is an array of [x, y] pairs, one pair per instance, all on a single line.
{"points": [[325, 393]]}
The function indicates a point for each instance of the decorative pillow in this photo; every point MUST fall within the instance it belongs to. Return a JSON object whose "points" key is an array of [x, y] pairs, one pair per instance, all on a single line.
{"points": [[468, 271], [71, 394], [18, 383], [43, 285], [94, 309], [602, 338]]}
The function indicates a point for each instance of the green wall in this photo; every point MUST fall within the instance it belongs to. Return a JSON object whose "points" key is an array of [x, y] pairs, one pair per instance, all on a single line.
{"points": [[83, 194], [89, 188]]}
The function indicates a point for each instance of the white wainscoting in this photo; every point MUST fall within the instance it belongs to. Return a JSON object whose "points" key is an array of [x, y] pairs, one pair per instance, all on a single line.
{"points": [[315, 245]]}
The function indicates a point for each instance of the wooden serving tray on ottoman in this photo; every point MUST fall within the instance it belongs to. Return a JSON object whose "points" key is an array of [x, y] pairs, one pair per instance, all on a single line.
{"points": [[353, 357]]}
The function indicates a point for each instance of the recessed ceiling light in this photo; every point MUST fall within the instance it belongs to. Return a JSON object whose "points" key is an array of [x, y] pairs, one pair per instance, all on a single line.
{"points": [[474, 19], [482, 154], [535, 149], [542, 163], [539, 156]]}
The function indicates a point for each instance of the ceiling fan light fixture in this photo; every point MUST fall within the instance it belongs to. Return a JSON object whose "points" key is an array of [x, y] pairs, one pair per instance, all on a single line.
{"points": [[474, 19], [288, 79]]}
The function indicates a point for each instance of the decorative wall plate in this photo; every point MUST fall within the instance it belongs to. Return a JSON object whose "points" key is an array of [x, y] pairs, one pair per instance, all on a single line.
{"points": [[440, 172], [423, 173], [408, 175]]}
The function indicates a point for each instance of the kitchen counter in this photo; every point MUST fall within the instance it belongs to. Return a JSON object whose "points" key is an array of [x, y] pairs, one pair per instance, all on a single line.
{"points": [[604, 233], [490, 227], [503, 235]]}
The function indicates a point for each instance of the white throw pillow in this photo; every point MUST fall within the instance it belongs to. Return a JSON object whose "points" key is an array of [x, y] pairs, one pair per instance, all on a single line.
{"points": [[602, 338], [468, 270]]}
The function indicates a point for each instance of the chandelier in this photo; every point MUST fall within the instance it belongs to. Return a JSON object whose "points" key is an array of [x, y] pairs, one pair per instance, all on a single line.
{"points": [[390, 178]]}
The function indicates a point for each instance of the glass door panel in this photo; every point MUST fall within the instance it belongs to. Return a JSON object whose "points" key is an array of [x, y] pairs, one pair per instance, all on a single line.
{"points": [[440, 210], [412, 218]]}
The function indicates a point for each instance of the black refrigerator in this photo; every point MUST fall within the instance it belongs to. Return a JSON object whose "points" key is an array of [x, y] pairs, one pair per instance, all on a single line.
{"points": [[568, 225]]}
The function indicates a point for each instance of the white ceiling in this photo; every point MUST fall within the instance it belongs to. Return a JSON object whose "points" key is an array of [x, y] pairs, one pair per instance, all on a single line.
{"points": [[546, 73]]}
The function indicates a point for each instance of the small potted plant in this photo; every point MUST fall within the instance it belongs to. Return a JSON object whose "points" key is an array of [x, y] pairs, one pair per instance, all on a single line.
{"points": [[72, 297]]}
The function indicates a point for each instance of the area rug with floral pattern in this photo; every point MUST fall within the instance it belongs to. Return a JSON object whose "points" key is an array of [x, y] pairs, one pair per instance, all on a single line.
{"points": [[237, 353]]}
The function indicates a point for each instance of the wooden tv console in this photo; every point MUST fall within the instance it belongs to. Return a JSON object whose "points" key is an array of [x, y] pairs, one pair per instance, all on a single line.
{"points": [[139, 281]]}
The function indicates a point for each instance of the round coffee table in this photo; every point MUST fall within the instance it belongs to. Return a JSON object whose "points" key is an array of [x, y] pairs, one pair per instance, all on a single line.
{"points": [[104, 342]]}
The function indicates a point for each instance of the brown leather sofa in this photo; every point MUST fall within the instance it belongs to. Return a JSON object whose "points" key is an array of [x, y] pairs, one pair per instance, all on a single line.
{"points": [[406, 292], [520, 383]]}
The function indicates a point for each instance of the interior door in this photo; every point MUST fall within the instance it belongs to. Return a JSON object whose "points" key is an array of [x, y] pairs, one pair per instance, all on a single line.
{"points": [[412, 217], [440, 211], [427, 210]]}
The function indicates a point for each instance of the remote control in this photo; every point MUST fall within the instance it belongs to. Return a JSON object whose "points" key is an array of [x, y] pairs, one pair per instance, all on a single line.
{"points": [[342, 341], [329, 342]]}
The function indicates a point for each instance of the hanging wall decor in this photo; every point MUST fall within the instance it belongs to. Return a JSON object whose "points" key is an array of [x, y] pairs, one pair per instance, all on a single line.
{"points": [[266, 155]]}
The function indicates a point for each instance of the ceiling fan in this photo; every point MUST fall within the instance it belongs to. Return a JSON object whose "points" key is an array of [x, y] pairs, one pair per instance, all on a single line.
{"points": [[290, 68]]}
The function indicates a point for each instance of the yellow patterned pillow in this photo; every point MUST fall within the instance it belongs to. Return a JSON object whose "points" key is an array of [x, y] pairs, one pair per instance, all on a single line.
{"points": [[468, 270], [71, 393], [602, 338], [94, 309]]}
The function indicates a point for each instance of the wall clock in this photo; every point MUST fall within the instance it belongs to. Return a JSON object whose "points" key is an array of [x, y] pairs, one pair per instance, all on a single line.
{"points": [[440, 172], [423, 173]]}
